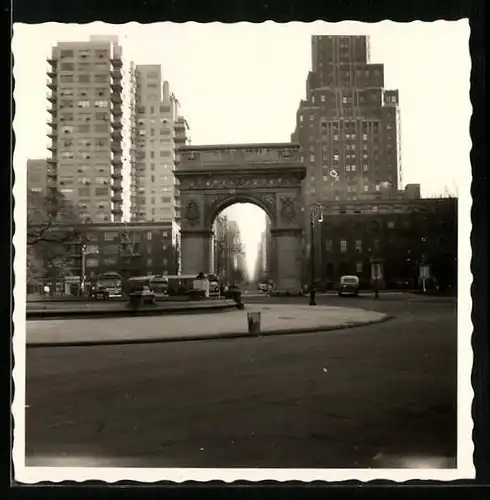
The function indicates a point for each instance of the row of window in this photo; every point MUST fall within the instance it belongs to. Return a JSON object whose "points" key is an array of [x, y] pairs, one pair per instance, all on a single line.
{"points": [[83, 53], [84, 155], [85, 128], [84, 78], [97, 103], [163, 108], [94, 262]]}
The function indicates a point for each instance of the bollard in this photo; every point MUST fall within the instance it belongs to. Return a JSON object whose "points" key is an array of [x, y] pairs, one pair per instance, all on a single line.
{"points": [[253, 323]]}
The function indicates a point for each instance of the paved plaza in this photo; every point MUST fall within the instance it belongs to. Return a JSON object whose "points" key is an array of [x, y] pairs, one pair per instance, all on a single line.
{"points": [[275, 319]]}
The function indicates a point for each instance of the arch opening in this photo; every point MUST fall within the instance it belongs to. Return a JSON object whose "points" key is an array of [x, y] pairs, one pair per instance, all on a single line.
{"points": [[241, 243]]}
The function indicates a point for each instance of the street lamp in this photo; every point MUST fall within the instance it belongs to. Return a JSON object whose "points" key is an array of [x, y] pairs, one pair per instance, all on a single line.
{"points": [[315, 215]]}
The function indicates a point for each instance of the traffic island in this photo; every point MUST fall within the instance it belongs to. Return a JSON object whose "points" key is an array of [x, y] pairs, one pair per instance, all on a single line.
{"points": [[274, 320]]}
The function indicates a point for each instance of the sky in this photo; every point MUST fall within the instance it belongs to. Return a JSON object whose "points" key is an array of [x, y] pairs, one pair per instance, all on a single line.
{"points": [[242, 83]]}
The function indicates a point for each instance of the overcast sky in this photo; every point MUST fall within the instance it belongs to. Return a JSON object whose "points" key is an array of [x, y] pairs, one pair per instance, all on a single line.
{"points": [[240, 83]]}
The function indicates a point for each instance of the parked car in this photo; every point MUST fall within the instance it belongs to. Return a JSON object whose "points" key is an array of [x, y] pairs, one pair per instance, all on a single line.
{"points": [[349, 285]]}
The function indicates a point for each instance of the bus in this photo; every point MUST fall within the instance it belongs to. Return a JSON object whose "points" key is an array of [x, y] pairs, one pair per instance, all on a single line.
{"points": [[186, 284], [157, 284], [108, 286]]}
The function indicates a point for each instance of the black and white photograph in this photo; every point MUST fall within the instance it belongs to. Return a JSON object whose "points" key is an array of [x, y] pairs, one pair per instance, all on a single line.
{"points": [[242, 251]]}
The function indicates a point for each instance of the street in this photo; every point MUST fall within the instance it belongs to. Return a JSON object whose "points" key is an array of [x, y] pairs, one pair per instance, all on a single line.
{"points": [[353, 398]]}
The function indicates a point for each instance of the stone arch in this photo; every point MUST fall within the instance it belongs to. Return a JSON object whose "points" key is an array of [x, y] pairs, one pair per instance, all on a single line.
{"points": [[270, 176], [213, 210]]}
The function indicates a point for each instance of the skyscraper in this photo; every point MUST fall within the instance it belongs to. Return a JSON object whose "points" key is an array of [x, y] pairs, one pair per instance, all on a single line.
{"points": [[348, 127], [85, 127], [157, 129]]}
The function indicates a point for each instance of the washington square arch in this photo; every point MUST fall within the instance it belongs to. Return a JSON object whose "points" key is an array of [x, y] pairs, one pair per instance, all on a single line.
{"points": [[211, 178]]}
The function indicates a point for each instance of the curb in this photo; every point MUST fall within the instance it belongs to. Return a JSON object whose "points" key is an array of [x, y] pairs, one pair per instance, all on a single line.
{"points": [[216, 336], [86, 314]]}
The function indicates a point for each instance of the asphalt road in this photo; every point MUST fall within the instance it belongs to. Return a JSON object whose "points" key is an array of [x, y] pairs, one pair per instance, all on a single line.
{"points": [[366, 397]]}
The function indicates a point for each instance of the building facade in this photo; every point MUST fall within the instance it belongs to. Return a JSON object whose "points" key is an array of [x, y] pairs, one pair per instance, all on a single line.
{"points": [[348, 127], [37, 176], [131, 249], [85, 127], [157, 130], [399, 232]]}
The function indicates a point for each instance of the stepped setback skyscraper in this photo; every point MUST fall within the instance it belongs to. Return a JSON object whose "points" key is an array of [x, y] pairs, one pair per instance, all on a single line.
{"points": [[348, 126]]}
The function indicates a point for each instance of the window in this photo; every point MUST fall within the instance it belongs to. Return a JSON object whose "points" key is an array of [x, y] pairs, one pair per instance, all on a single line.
{"points": [[358, 245], [391, 224], [83, 192], [66, 78], [149, 235], [358, 267], [328, 245], [66, 53], [353, 168], [67, 67], [343, 246], [366, 188], [101, 104], [83, 104], [101, 78], [165, 153], [101, 191], [376, 244], [365, 167], [84, 78], [83, 128], [347, 168]]}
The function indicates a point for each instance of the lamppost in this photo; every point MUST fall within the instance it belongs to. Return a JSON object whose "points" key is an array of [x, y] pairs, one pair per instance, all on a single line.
{"points": [[315, 215], [83, 250]]}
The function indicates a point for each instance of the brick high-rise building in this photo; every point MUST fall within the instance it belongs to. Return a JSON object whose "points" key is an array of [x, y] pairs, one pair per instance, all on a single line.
{"points": [[85, 127], [348, 126], [157, 130]]}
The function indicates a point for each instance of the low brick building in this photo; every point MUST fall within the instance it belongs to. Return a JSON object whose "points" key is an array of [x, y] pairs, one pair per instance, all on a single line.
{"points": [[131, 249], [402, 234]]}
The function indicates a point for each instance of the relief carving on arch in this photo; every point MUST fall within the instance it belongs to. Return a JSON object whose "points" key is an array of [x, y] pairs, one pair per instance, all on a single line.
{"points": [[192, 211], [241, 181], [288, 209]]}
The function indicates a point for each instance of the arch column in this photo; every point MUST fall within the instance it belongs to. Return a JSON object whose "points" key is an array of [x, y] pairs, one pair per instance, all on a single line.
{"points": [[288, 259], [196, 251]]}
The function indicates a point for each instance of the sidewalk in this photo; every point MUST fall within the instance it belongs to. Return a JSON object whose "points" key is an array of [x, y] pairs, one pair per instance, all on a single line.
{"points": [[275, 319]]}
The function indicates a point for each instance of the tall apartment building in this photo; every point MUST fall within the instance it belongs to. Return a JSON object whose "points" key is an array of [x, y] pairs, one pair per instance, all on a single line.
{"points": [[37, 177], [348, 127], [85, 128], [157, 130]]}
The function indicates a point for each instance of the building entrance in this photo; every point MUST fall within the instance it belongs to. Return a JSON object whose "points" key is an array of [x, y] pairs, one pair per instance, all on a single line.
{"points": [[211, 178]]}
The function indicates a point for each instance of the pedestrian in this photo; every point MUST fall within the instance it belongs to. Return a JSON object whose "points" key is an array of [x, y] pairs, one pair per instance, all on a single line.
{"points": [[221, 290]]}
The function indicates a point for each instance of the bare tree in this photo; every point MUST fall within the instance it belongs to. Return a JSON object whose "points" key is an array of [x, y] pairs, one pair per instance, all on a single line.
{"points": [[54, 231], [44, 214]]}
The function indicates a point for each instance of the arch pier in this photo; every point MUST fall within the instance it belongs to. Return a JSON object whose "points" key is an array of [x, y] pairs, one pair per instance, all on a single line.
{"points": [[211, 178]]}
